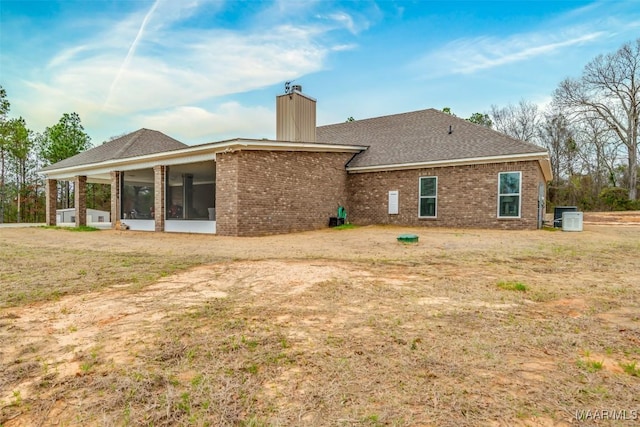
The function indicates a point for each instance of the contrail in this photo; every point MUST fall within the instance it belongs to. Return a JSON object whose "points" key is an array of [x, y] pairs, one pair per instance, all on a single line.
{"points": [[130, 53]]}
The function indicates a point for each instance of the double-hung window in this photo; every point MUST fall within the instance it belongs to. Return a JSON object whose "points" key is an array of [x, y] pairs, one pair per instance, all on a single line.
{"points": [[509, 189], [428, 197]]}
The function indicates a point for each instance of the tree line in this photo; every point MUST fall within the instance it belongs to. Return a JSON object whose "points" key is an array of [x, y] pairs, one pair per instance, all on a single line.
{"points": [[23, 152], [590, 128]]}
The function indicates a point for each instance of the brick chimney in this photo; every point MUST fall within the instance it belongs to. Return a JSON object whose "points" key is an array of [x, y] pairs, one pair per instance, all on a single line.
{"points": [[295, 116]]}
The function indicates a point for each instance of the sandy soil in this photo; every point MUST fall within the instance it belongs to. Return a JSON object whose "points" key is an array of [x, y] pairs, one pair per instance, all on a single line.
{"points": [[121, 320], [614, 218]]}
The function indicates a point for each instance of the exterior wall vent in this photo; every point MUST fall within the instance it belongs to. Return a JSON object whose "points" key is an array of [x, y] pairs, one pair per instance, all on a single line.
{"points": [[393, 202]]}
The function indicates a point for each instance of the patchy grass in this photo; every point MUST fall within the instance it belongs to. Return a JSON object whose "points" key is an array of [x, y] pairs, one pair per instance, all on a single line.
{"points": [[80, 228], [631, 368], [590, 366], [84, 228], [347, 226], [326, 329], [34, 273], [46, 281], [551, 228], [513, 286]]}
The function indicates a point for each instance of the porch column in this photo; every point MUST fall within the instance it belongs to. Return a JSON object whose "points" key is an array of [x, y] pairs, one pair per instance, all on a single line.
{"points": [[81, 200], [158, 197], [116, 177], [51, 201]]}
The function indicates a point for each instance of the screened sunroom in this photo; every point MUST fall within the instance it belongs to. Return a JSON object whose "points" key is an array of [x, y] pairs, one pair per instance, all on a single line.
{"points": [[189, 198]]}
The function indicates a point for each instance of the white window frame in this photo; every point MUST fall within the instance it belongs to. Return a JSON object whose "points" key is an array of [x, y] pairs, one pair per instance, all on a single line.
{"points": [[518, 194], [420, 196]]}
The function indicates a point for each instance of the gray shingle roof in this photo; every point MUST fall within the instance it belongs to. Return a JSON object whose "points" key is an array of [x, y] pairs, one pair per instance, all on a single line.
{"points": [[421, 136], [138, 143]]}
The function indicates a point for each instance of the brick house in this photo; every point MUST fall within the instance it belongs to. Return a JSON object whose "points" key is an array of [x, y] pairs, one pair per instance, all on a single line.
{"points": [[423, 168]]}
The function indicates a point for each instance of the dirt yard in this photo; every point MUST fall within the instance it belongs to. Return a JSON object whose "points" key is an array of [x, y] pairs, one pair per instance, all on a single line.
{"points": [[333, 327]]}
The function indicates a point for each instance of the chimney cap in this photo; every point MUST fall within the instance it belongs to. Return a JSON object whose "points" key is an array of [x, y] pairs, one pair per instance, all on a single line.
{"points": [[289, 88]]}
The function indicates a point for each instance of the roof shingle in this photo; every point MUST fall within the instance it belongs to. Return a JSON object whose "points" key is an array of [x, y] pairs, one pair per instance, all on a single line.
{"points": [[421, 136], [138, 143]]}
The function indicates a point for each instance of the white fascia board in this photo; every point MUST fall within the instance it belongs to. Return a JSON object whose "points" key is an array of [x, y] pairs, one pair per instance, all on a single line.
{"points": [[193, 154], [132, 163], [545, 165], [542, 157]]}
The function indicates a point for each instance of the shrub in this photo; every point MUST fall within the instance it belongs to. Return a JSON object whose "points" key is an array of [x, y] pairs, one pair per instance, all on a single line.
{"points": [[616, 199]]}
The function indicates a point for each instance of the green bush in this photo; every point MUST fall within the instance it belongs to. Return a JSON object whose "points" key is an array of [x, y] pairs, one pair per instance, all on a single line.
{"points": [[616, 199]]}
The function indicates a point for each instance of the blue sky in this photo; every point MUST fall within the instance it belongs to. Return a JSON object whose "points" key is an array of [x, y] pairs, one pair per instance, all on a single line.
{"points": [[207, 70]]}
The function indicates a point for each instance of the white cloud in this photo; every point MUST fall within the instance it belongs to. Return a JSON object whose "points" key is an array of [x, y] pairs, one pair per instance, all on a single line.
{"points": [[344, 19], [164, 13], [343, 47], [132, 68], [467, 56], [355, 23], [196, 124], [158, 61], [591, 25]]}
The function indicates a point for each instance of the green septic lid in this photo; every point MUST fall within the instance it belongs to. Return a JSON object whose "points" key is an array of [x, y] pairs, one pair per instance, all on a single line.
{"points": [[408, 238]]}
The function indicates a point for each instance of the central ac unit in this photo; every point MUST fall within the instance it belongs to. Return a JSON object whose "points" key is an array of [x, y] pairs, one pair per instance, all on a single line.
{"points": [[572, 221]]}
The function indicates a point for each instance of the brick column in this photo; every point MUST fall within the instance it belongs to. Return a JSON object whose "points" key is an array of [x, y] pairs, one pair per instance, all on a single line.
{"points": [[51, 201], [81, 200], [115, 197], [158, 205], [227, 206]]}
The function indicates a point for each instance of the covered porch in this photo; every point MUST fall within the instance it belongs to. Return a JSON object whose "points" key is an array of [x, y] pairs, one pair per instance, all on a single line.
{"points": [[172, 198], [233, 187], [177, 197]]}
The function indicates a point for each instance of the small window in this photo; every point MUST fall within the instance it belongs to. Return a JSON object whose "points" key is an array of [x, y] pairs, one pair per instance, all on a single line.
{"points": [[428, 197], [509, 185]]}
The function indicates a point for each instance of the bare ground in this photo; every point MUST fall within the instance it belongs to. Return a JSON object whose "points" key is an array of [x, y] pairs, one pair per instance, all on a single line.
{"points": [[334, 327]]}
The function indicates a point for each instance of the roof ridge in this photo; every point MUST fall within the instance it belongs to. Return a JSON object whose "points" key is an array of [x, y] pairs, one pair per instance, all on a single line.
{"points": [[125, 147], [378, 117]]}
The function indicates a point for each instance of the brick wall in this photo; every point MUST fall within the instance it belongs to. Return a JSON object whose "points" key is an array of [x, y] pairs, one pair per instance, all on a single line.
{"points": [[467, 196], [278, 192]]}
